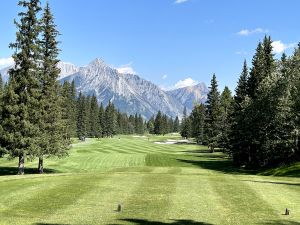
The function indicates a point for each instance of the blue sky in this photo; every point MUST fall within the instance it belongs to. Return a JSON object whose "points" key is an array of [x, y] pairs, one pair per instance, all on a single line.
{"points": [[166, 41]]}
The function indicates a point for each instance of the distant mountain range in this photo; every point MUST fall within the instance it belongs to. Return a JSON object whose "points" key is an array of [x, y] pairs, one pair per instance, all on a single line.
{"points": [[129, 93]]}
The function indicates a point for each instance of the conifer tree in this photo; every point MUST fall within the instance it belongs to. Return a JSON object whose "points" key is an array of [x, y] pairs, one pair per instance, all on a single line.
{"points": [[176, 125], [226, 108], [213, 115], [101, 121], [150, 125], [158, 123], [197, 119], [1, 105], [81, 117], [110, 120], [53, 140], [185, 128], [93, 118], [72, 110], [21, 113], [238, 131]]}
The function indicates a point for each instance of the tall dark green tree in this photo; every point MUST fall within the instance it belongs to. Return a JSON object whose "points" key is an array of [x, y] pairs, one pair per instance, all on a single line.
{"points": [[94, 118], [21, 112], [239, 142], [176, 125], [197, 118], [185, 128], [53, 140], [213, 114], [101, 121], [110, 120], [81, 117], [1, 105], [226, 108], [158, 123]]}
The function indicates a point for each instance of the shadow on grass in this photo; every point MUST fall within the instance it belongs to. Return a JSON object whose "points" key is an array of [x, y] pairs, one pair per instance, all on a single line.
{"points": [[174, 222], [5, 171], [224, 166], [273, 182], [55, 224], [281, 222], [197, 151]]}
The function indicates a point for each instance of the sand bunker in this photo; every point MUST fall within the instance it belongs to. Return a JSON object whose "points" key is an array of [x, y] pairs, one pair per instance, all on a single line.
{"points": [[139, 136]]}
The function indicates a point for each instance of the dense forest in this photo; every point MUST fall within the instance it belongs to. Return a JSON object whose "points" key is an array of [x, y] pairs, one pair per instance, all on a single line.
{"points": [[259, 125]]}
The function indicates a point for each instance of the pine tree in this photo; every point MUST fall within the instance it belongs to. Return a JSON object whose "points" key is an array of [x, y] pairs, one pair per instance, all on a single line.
{"points": [[241, 90], [87, 106], [81, 117], [101, 121], [53, 140], [164, 124], [238, 131], [213, 115], [226, 108], [150, 125], [158, 123], [94, 119], [185, 128], [72, 110], [21, 113], [1, 105], [197, 119], [110, 120], [176, 125]]}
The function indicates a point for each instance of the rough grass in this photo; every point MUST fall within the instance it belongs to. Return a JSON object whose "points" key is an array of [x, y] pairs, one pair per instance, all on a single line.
{"points": [[156, 185]]}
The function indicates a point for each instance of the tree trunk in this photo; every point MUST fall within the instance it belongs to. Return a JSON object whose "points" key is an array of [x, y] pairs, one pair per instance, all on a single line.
{"points": [[212, 149], [21, 164], [41, 165]]}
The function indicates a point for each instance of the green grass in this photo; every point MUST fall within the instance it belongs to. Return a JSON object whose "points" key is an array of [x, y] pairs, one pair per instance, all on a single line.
{"points": [[156, 184]]}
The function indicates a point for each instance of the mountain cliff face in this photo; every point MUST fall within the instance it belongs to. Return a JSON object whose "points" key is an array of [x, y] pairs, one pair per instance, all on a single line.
{"points": [[130, 93], [189, 96]]}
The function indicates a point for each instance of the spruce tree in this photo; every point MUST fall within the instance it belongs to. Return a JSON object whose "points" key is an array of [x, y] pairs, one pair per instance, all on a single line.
{"points": [[72, 110], [197, 119], [81, 117], [158, 123], [101, 121], [94, 119], [110, 120], [21, 111], [176, 125], [226, 108], [213, 114], [238, 131], [185, 128], [1, 105], [150, 125], [53, 140]]}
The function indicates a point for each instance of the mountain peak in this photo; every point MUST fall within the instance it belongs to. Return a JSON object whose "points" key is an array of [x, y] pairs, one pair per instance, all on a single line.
{"points": [[97, 62]]}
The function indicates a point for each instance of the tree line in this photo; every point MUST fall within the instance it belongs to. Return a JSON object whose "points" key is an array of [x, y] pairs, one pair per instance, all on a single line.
{"points": [[86, 118], [259, 125], [38, 115]]}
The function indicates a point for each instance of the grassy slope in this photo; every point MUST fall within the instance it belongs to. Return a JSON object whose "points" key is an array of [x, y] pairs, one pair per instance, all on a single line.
{"points": [[157, 185]]}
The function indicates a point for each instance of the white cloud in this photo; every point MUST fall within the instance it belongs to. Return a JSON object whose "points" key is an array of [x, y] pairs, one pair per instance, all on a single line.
{"points": [[6, 61], [164, 76], [247, 32], [127, 68], [180, 1], [279, 47], [185, 83]]}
